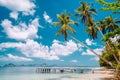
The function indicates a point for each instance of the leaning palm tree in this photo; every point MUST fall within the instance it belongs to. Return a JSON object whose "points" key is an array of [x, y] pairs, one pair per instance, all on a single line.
{"points": [[84, 12], [65, 22], [91, 29], [110, 24], [105, 26]]}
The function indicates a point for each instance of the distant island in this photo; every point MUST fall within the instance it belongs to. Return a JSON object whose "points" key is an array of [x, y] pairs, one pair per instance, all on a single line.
{"points": [[41, 65]]}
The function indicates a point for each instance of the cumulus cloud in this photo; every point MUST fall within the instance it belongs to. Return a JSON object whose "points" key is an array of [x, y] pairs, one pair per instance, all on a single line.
{"points": [[90, 42], [34, 49], [63, 49], [97, 50], [27, 7], [22, 31], [17, 58], [14, 15], [74, 61], [47, 18], [11, 57]]}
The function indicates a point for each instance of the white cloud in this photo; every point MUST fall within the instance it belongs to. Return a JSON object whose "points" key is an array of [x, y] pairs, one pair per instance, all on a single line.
{"points": [[74, 61], [17, 58], [25, 6], [14, 15], [117, 37], [47, 18], [97, 50], [63, 49], [22, 31], [35, 49], [11, 57], [90, 42]]}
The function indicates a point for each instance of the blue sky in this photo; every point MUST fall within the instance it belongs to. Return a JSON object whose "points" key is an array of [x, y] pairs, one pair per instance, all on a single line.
{"points": [[27, 35]]}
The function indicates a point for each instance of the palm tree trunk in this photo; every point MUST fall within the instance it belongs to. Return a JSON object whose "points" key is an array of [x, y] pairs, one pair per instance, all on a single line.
{"points": [[117, 74], [92, 51], [117, 60]]}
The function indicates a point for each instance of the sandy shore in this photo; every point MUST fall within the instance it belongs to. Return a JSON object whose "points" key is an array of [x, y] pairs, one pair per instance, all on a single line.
{"points": [[89, 77], [79, 77]]}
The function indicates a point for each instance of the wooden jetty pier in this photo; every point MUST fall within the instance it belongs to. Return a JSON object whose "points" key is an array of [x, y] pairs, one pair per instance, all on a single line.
{"points": [[68, 70]]}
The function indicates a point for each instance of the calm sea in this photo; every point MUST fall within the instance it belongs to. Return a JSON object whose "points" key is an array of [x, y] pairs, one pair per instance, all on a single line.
{"points": [[29, 73]]}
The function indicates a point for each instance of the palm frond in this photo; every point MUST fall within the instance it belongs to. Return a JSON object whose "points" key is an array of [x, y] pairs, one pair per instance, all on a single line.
{"points": [[59, 32], [93, 10], [78, 9], [71, 29], [92, 32], [57, 23], [72, 22], [60, 17]]}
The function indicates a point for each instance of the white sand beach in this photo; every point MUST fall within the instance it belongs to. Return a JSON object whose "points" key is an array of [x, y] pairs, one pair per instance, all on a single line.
{"points": [[90, 77], [83, 77]]}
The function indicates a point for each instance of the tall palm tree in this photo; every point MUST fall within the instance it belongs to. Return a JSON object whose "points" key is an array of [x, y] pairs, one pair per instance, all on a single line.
{"points": [[110, 24], [107, 25], [65, 22], [85, 12], [91, 29]]}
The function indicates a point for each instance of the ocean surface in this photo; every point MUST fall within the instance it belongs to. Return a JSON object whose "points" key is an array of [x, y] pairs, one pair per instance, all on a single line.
{"points": [[29, 73]]}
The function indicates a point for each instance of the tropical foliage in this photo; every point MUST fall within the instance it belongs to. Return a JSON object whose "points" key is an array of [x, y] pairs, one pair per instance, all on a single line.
{"points": [[65, 22], [115, 5]]}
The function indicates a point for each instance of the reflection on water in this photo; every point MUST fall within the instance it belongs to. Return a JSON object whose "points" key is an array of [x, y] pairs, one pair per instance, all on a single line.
{"points": [[28, 73]]}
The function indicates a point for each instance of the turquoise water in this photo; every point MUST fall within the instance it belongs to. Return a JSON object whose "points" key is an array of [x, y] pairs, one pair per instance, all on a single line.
{"points": [[29, 73]]}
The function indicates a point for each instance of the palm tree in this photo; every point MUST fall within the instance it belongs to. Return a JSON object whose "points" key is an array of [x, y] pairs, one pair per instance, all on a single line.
{"points": [[85, 12], [108, 25], [91, 29], [101, 26], [65, 22]]}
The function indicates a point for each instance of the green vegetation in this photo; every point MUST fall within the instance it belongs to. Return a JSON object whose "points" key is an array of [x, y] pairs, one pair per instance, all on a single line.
{"points": [[108, 28], [85, 12], [115, 5], [65, 22]]}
